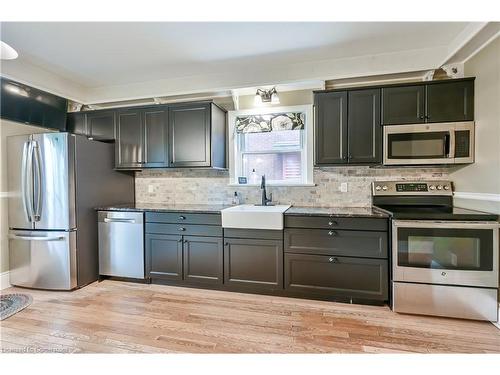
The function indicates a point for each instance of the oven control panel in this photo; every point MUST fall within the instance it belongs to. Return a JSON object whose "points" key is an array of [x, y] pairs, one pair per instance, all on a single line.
{"points": [[412, 188]]}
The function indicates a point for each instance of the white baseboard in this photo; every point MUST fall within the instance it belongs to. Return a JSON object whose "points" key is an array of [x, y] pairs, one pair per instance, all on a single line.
{"points": [[497, 323], [4, 280]]}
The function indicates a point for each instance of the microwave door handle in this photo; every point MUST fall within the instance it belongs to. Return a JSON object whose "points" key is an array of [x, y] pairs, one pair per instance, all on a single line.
{"points": [[451, 145]]}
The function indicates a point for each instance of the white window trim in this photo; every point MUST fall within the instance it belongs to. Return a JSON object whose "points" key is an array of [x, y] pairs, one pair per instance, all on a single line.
{"points": [[307, 156]]}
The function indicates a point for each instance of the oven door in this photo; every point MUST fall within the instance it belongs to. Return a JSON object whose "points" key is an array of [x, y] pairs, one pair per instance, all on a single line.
{"points": [[440, 252], [419, 144]]}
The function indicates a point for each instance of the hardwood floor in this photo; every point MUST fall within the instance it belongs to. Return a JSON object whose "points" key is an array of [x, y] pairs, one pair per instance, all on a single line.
{"points": [[119, 317]]}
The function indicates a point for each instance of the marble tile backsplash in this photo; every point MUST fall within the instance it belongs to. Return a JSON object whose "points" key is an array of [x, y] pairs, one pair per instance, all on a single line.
{"points": [[203, 186]]}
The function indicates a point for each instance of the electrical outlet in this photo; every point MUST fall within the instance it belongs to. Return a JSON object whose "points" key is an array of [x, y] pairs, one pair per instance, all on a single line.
{"points": [[151, 188], [343, 187]]}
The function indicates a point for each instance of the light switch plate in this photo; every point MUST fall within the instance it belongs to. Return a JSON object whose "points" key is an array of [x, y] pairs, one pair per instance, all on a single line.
{"points": [[151, 189], [343, 187]]}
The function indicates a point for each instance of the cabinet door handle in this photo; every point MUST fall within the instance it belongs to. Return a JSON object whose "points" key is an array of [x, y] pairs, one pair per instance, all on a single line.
{"points": [[182, 229], [421, 117], [332, 233], [226, 244], [333, 260]]}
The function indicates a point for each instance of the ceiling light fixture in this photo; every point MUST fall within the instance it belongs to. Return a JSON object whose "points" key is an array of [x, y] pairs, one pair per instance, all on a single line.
{"points": [[7, 52], [266, 96]]}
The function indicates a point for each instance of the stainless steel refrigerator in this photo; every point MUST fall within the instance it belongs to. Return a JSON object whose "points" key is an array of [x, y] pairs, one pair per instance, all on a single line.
{"points": [[55, 182]]}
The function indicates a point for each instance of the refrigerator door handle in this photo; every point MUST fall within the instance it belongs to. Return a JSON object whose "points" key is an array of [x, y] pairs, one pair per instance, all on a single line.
{"points": [[37, 207], [36, 238], [24, 180], [27, 182]]}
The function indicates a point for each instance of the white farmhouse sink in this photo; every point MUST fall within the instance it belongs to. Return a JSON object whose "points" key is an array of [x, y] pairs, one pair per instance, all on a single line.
{"points": [[249, 216]]}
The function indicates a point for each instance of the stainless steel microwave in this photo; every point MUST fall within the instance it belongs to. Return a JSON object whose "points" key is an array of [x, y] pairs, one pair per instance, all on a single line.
{"points": [[439, 143]]}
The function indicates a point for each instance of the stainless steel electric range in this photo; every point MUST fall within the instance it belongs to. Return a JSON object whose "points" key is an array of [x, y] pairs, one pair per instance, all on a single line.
{"points": [[444, 258]]}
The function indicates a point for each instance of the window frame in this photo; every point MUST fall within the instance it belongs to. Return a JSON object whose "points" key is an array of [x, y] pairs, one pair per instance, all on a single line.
{"points": [[306, 140]]}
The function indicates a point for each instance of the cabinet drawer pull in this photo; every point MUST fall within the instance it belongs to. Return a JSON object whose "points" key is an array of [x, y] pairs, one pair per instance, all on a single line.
{"points": [[226, 244], [182, 229], [182, 217], [330, 223], [333, 260], [332, 233]]}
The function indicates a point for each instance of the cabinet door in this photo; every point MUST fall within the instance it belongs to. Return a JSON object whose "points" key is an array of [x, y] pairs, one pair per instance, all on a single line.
{"points": [[450, 101], [76, 123], [164, 256], [331, 127], [403, 105], [155, 137], [203, 260], [341, 277], [101, 125], [364, 130], [253, 265], [129, 140], [189, 134]]}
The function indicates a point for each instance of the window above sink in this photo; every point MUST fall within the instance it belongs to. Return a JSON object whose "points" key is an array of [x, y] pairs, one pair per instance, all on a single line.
{"points": [[283, 155]]}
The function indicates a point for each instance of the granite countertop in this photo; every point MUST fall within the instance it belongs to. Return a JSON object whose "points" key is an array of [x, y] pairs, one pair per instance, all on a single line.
{"points": [[336, 212], [160, 207], [216, 208]]}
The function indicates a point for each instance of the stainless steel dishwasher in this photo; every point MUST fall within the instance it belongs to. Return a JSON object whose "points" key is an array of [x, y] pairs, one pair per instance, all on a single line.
{"points": [[121, 244]]}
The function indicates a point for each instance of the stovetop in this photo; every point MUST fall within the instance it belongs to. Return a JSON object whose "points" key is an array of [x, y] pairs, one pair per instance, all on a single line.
{"points": [[422, 200], [436, 213]]}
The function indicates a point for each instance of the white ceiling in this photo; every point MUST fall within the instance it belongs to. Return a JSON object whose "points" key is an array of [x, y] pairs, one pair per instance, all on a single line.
{"points": [[104, 59]]}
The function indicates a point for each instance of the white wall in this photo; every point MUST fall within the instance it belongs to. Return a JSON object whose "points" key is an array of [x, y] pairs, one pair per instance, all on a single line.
{"points": [[481, 180], [8, 128]]}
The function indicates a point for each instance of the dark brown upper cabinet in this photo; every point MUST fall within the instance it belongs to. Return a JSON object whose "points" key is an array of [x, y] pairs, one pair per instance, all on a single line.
{"points": [[403, 105], [101, 125], [129, 139], [97, 125], [364, 132], [76, 123], [435, 101], [347, 127], [197, 135], [450, 101], [142, 138], [178, 135], [331, 127]]}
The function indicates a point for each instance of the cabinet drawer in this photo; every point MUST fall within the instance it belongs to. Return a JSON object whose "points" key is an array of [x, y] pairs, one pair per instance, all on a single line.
{"points": [[342, 277], [336, 242], [181, 217], [189, 229], [319, 222]]}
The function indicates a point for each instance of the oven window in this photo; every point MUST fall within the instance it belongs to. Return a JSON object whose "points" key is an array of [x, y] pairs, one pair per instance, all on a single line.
{"points": [[440, 248], [430, 145]]}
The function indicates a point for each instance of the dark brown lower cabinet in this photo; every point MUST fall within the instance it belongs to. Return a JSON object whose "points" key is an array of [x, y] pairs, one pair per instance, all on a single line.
{"points": [[330, 276], [202, 260], [253, 264], [350, 243], [164, 256]]}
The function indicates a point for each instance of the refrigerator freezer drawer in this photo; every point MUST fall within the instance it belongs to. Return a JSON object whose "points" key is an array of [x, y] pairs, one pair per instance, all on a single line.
{"points": [[443, 300], [121, 244], [43, 260]]}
